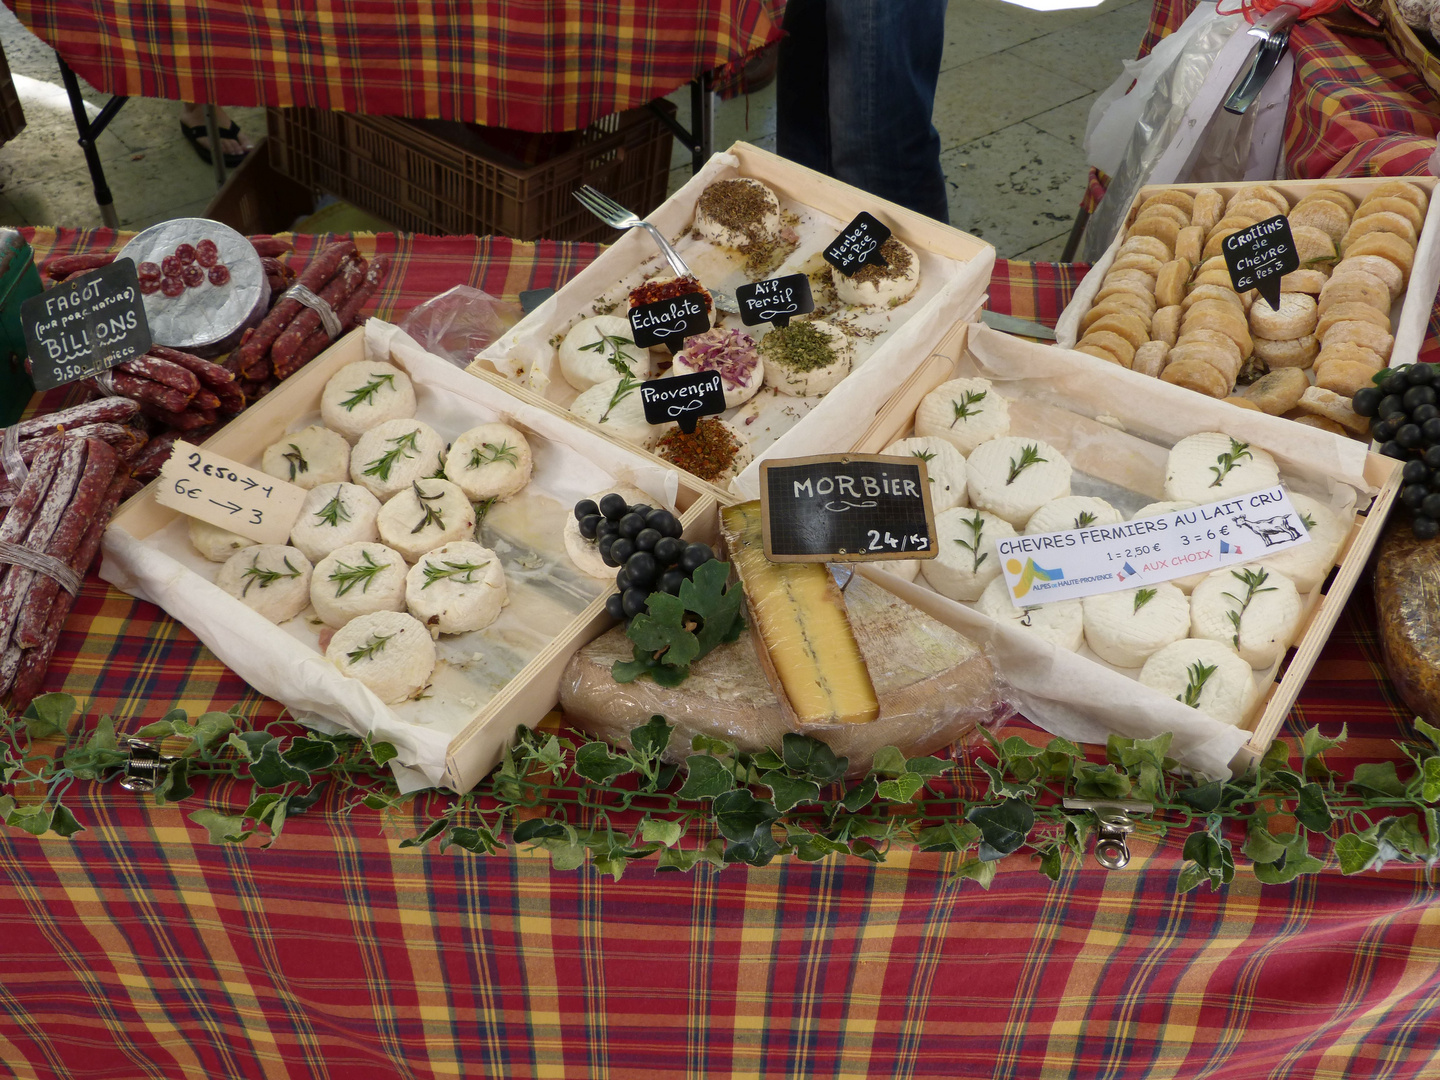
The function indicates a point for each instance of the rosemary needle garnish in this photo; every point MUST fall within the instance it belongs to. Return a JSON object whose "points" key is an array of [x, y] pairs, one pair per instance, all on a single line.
{"points": [[962, 408], [628, 385], [1227, 461], [257, 574], [406, 445], [617, 353], [460, 571], [369, 649], [489, 454], [976, 526], [1030, 455], [1253, 580], [1085, 520], [1143, 597], [297, 461], [363, 395], [360, 574], [1199, 674], [432, 515], [333, 512]]}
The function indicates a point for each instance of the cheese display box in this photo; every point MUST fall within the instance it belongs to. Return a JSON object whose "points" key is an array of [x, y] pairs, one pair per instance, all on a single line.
{"points": [[802, 390], [1160, 300], [1104, 447], [447, 674]]}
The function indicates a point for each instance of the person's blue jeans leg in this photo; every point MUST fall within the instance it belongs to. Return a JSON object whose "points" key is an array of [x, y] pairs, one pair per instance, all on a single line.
{"points": [[878, 62]]}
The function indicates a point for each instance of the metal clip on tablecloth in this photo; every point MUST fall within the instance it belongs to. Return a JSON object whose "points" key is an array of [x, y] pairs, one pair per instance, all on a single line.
{"points": [[146, 766], [1114, 825]]}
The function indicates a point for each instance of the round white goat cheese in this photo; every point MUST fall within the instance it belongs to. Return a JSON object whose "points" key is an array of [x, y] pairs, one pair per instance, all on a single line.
{"points": [[1211, 466], [432, 513], [364, 394], [355, 580], [1205, 675], [456, 588], [391, 456], [963, 412], [1013, 477], [1061, 623], [492, 461], [271, 579], [1249, 609], [1307, 565], [309, 457], [966, 562], [1125, 628], [388, 651], [332, 516], [1073, 512], [944, 465], [215, 543], [593, 346]]}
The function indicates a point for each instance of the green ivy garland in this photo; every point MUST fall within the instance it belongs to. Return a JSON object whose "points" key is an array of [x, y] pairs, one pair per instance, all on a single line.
{"points": [[552, 794]]}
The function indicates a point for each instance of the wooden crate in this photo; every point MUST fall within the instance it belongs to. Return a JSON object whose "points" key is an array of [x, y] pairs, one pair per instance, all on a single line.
{"points": [[1322, 606], [527, 697], [519, 354]]}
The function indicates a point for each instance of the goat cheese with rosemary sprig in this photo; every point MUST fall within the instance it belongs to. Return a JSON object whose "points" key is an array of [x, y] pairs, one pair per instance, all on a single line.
{"points": [[1073, 512], [364, 394], [456, 588], [215, 543], [1308, 564], [966, 563], [1126, 628], [491, 461], [393, 455], [944, 465], [1061, 623], [1212, 466], [355, 580], [1252, 610], [615, 407], [271, 579], [388, 651], [1204, 675], [1013, 477], [963, 412], [308, 458], [433, 512], [600, 348], [332, 516]]}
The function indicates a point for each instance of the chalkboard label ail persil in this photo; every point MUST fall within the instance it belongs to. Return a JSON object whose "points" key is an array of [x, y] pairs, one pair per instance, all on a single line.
{"points": [[775, 300]]}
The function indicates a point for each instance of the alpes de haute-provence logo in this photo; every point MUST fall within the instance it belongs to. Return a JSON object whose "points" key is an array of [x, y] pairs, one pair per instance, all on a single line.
{"points": [[1030, 574]]}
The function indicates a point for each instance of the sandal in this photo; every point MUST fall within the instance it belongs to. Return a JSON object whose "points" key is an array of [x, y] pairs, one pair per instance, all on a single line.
{"points": [[193, 135]]}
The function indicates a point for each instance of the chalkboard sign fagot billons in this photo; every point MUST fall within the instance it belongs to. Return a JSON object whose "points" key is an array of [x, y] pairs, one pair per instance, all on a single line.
{"points": [[85, 325], [846, 507]]}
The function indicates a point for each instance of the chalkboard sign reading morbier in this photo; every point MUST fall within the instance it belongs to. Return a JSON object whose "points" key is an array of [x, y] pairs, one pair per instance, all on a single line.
{"points": [[1260, 255], [670, 321], [85, 325], [776, 300], [683, 399], [858, 244], [846, 508]]}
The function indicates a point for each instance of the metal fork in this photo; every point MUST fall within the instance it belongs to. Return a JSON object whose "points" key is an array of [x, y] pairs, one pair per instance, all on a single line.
{"points": [[616, 216]]}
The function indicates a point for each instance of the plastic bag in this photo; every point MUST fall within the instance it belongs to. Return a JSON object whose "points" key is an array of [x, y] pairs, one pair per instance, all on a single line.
{"points": [[459, 323]]}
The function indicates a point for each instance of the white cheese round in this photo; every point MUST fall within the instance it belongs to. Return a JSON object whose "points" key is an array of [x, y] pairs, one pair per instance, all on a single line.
{"points": [[1307, 565], [967, 561], [791, 357], [215, 543], [881, 286], [391, 456], [588, 353], [733, 353], [1073, 512], [1061, 623], [388, 651], [1225, 693], [1257, 622], [944, 465], [1155, 509], [271, 579], [355, 580], [1013, 477], [491, 461], [309, 457], [585, 554], [363, 394], [332, 516], [620, 415], [719, 219], [432, 513], [1124, 634], [456, 588], [963, 412], [1211, 466]]}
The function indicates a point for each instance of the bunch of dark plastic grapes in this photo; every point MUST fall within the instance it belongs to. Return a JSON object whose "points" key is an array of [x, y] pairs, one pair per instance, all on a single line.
{"points": [[645, 544], [1405, 421]]}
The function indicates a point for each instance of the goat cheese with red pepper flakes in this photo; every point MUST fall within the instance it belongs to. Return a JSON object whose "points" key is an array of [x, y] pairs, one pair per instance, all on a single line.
{"points": [[716, 452]]}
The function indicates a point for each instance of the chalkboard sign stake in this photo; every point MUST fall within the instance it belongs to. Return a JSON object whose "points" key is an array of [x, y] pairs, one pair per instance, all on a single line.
{"points": [[775, 300], [85, 325], [1259, 255]]}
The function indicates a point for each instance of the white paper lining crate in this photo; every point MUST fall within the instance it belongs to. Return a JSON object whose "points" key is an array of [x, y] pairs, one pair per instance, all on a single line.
{"points": [[147, 554], [955, 272], [1060, 689], [1410, 314]]}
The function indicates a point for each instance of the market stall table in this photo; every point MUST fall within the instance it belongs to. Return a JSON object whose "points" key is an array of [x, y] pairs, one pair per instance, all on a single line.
{"points": [[136, 948]]}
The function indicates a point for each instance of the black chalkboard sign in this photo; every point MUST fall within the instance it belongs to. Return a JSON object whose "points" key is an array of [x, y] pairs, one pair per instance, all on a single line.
{"points": [[683, 399], [847, 508], [775, 300], [858, 244], [85, 325], [1259, 256], [669, 322]]}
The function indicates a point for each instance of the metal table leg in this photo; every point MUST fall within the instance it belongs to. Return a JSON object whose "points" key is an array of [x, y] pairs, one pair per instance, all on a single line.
{"points": [[217, 155], [700, 138], [89, 130]]}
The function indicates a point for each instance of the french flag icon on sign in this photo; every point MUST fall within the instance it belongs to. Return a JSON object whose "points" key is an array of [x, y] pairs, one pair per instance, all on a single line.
{"points": [[1226, 549], [1126, 571]]}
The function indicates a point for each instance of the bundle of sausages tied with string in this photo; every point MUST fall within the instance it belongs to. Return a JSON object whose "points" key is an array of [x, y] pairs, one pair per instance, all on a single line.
{"points": [[113, 421]]}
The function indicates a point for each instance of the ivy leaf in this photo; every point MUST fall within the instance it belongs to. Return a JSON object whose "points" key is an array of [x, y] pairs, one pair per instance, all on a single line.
{"points": [[6, 805], [1261, 846], [476, 840], [718, 607], [677, 859], [538, 828], [759, 850], [49, 714], [223, 828], [706, 778], [262, 807], [595, 763], [1286, 869], [1276, 757], [650, 740], [768, 759], [1379, 776], [1210, 859], [1077, 832], [310, 755], [660, 831], [902, 789], [861, 795], [663, 627], [1311, 810], [176, 784], [63, 823], [251, 743], [811, 847], [788, 791], [300, 803], [1429, 731], [1003, 827], [271, 770], [889, 761], [978, 870], [1430, 779], [1355, 853], [811, 757], [434, 829], [32, 819], [644, 663], [1064, 747], [1312, 743], [741, 817], [1204, 799], [1094, 782], [703, 744], [946, 837], [383, 752], [1050, 861], [211, 727], [1001, 788], [926, 766]]}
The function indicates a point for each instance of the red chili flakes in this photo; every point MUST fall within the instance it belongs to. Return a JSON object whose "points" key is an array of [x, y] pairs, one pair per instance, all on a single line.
{"points": [[219, 274], [652, 291]]}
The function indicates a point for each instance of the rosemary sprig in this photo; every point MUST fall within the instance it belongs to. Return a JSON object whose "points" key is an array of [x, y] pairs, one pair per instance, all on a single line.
{"points": [[628, 385], [1227, 461], [432, 514], [461, 571], [406, 445], [481, 509], [926, 456], [333, 512], [962, 408], [976, 525], [1308, 521], [1143, 597], [361, 574], [1254, 582], [370, 648], [616, 359], [256, 574], [492, 454], [363, 395], [1030, 455], [1085, 520], [297, 461], [1199, 675]]}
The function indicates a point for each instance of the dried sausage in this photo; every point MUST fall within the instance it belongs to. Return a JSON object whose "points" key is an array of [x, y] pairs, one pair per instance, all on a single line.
{"points": [[148, 270], [219, 274], [206, 253], [149, 461], [16, 586], [61, 267], [348, 314], [193, 276], [317, 272], [161, 371], [172, 286], [171, 266], [100, 411], [185, 253], [335, 293], [148, 392], [270, 246]]}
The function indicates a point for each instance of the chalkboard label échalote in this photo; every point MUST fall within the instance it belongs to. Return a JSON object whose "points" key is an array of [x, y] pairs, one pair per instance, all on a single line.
{"points": [[858, 244], [775, 300], [1260, 255], [85, 325], [683, 399], [847, 507], [670, 321]]}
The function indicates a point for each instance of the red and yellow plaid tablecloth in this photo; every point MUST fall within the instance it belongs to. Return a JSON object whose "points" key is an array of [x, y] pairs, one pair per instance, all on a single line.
{"points": [[138, 950], [553, 66]]}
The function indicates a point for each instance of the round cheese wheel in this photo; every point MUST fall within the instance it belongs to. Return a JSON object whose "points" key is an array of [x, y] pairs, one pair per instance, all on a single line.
{"points": [[1247, 608], [1307, 565], [215, 543], [270, 579], [491, 461], [585, 554], [619, 414], [1061, 623], [1073, 512], [1212, 466], [456, 588], [944, 465], [881, 286], [363, 394], [332, 516], [963, 412], [355, 580], [431, 514], [967, 561], [737, 212], [807, 358], [388, 651], [391, 456], [1013, 477], [309, 457], [1224, 685], [593, 346], [733, 353], [1125, 628]]}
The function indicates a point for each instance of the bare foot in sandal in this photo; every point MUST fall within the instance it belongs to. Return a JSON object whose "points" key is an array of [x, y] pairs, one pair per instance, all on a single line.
{"points": [[234, 143]]}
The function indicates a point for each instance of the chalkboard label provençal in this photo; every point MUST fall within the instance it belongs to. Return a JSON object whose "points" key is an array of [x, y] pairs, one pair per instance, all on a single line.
{"points": [[683, 399], [85, 325]]}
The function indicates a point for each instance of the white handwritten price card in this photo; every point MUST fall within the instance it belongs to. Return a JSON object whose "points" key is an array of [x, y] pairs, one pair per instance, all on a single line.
{"points": [[246, 501]]}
